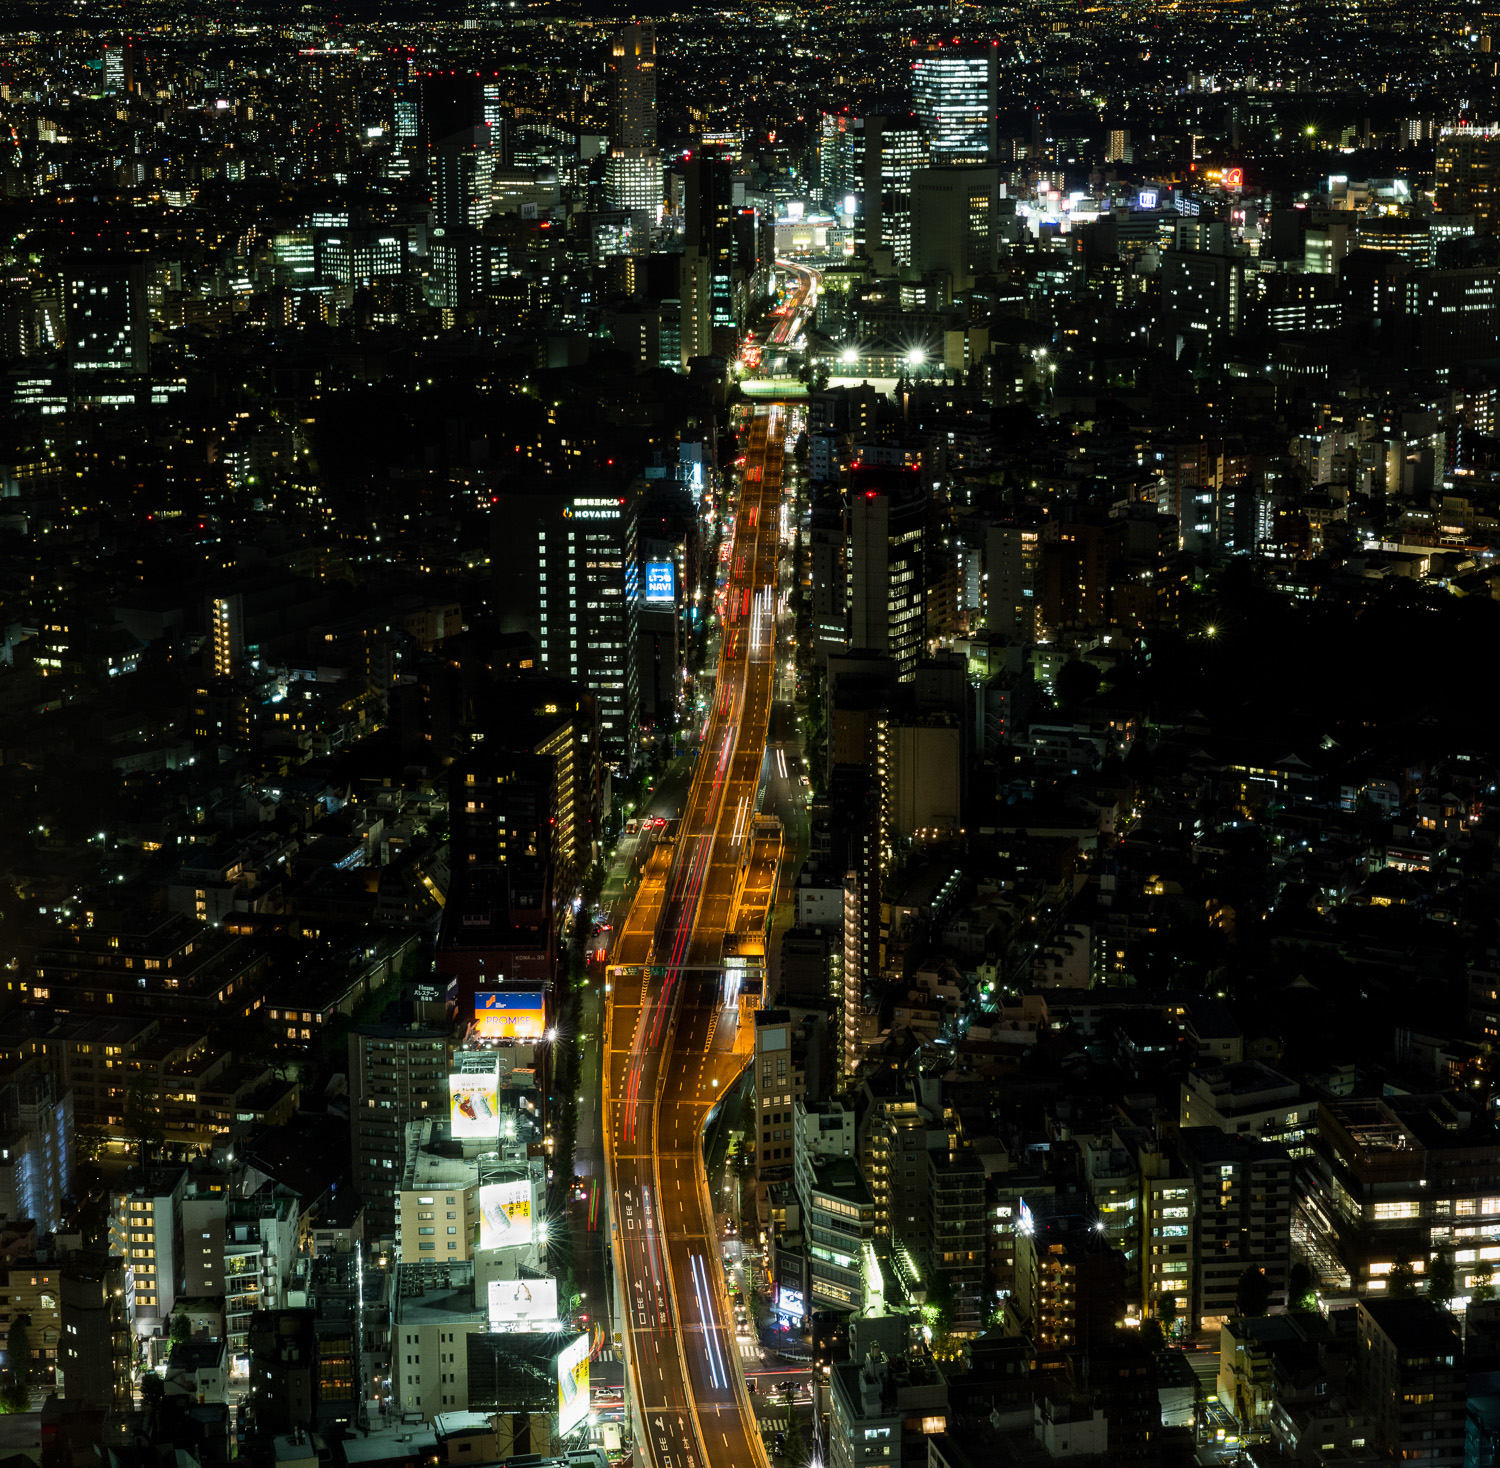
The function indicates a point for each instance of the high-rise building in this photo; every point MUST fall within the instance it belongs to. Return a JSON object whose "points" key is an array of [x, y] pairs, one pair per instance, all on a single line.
{"points": [[955, 95], [107, 314], [328, 123], [884, 152], [398, 1073], [118, 68], [632, 172], [461, 169], [1012, 554], [886, 569], [587, 607], [632, 87], [1467, 175], [1117, 149], [955, 222], [713, 239]]}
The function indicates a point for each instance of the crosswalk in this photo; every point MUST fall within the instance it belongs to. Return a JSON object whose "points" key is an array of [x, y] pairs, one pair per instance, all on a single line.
{"points": [[749, 1351]]}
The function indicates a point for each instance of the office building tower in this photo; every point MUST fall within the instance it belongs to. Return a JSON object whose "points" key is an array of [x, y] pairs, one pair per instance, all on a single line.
{"points": [[887, 540], [461, 169], [498, 921], [1117, 148], [632, 172], [448, 102], [145, 1230], [715, 274], [588, 607], [398, 1073], [496, 117], [884, 152], [954, 93], [107, 314], [836, 176], [1467, 178], [118, 68], [328, 120], [633, 180], [632, 87], [955, 222]]}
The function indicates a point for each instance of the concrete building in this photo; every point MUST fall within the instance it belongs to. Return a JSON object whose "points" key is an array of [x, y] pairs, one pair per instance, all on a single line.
{"points": [[882, 1410], [1242, 1206], [838, 1213], [1250, 1099], [96, 1342], [397, 1074], [36, 1150], [434, 1316], [955, 96], [886, 567], [145, 1230], [1414, 1387], [437, 1207]]}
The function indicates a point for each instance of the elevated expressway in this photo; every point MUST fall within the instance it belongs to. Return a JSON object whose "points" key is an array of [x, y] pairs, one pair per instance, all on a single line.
{"points": [[673, 1036]]}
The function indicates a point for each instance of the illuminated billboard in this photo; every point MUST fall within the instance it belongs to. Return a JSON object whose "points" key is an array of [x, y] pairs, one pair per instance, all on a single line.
{"points": [[474, 1102], [505, 1214], [528, 1303], [573, 1386], [661, 581], [1147, 199], [509, 1015]]}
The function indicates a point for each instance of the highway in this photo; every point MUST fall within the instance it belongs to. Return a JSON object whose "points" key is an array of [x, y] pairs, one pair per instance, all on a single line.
{"points": [[675, 1041]]}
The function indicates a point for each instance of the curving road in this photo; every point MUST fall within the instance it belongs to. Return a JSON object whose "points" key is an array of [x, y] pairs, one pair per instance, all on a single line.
{"points": [[674, 1043]]}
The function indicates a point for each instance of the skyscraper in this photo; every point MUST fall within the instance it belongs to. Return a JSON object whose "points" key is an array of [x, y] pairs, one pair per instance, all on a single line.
{"points": [[328, 127], [461, 167], [955, 94], [632, 88], [714, 259], [887, 540], [632, 172], [954, 221], [587, 605], [883, 154]]}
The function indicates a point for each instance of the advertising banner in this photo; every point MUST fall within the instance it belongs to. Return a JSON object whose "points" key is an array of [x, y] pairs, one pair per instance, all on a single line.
{"points": [[509, 1015], [527, 1302], [573, 1386], [474, 1103], [505, 1214]]}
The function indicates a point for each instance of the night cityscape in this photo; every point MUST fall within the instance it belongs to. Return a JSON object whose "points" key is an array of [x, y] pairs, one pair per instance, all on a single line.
{"points": [[749, 738]]}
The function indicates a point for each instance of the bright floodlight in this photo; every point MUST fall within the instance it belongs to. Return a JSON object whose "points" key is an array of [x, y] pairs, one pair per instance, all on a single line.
{"points": [[849, 355], [916, 356]]}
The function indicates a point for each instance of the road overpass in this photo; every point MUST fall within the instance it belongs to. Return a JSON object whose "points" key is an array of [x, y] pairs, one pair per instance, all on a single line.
{"points": [[674, 1038]]}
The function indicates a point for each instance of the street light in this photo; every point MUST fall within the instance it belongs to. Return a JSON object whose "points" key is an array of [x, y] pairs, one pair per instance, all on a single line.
{"points": [[916, 357], [849, 356]]}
